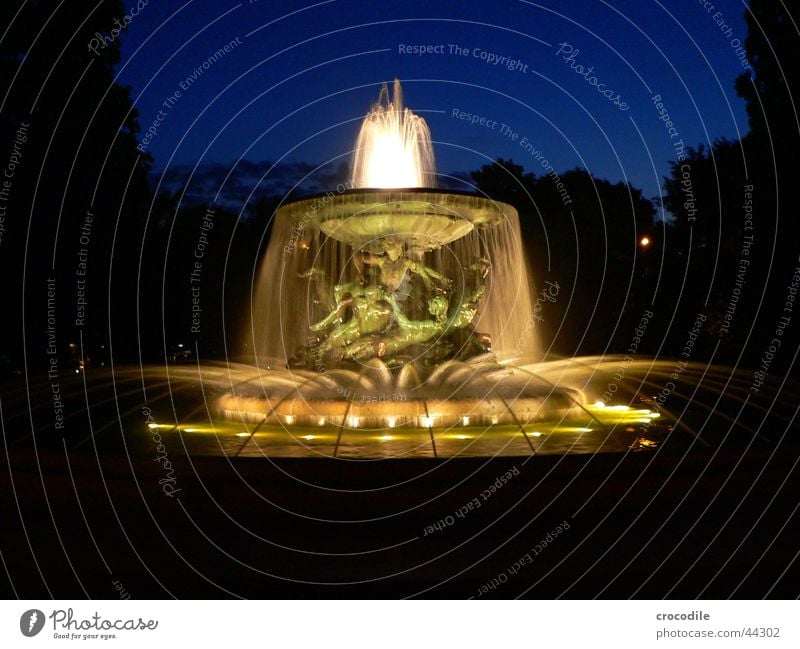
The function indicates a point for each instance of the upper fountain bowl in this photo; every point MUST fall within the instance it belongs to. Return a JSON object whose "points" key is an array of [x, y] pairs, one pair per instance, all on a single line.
{"points": [[378, 220]]}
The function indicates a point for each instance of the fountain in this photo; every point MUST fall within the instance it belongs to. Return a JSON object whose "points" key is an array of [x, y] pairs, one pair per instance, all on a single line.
{"points": [[391, 304]]}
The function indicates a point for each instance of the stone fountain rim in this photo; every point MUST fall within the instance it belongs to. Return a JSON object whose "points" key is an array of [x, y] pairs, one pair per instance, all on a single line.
{"points": [[334, 195]]}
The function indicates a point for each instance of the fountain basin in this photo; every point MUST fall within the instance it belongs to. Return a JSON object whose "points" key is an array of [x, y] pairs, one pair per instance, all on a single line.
{"points": [[461, 409], [456, 394], [411, 413], [376, 219]]}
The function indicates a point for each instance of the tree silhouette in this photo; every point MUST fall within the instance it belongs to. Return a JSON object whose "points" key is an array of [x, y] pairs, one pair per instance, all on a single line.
{"points": [[744, 256], [79, 191], [775, 72]]}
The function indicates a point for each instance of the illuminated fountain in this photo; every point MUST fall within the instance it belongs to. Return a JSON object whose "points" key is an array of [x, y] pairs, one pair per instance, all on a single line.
{"points": [[392, 305]]}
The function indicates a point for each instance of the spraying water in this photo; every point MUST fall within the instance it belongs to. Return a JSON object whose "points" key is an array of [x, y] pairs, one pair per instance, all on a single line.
{"points": [[394, 147]]}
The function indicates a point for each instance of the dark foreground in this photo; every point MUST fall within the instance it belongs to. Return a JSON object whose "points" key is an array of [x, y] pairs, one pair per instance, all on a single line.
{"points": [[701, 522]]}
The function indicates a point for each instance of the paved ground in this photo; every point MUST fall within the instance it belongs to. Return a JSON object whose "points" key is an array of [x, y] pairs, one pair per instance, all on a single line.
{"points": [[208, 515]]}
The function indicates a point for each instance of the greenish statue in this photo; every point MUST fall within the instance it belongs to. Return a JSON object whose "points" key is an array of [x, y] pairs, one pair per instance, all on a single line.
{"points": [[394, 267], [370, 313], [367, 321]]}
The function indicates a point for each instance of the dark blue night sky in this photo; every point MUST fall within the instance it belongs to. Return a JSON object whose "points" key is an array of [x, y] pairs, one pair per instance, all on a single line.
{"points": [[299, 76]]}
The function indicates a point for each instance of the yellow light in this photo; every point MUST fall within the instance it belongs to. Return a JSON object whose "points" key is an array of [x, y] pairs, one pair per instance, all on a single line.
{"points": [[353, 421], [460, 437], [242, 434], [386, 438], [321, 421], [289, 419], [495, 419], [393, 147], [536, 434], [426, 422], [151, 426], [391, 160], [309, 437], [190, 430], [644, 242], [391, 421], [465, 420], [599, 404]]}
